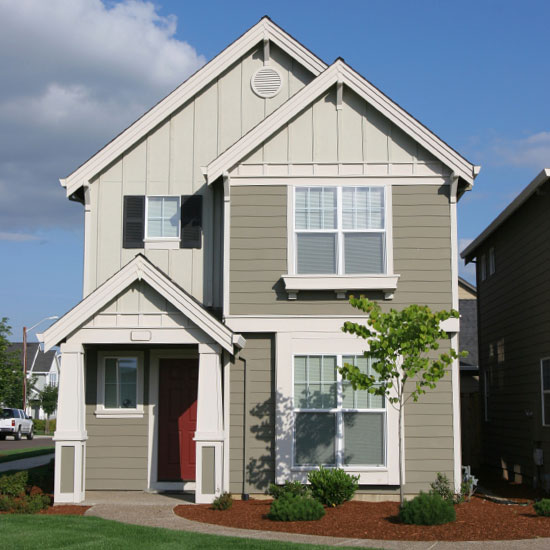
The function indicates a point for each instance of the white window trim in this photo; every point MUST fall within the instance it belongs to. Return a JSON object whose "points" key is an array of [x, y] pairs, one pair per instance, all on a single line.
{"points": [[322, 343], [161, 242], [340, 283], [338, 414], [103, 412], [543, 391]]}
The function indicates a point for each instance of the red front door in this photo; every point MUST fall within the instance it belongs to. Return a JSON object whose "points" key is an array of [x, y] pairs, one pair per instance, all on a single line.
{"points": [[177, 418]]}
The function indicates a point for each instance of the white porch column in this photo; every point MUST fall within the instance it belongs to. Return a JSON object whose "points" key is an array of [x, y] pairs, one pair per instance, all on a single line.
{"points": [[209, 436], [70, 434]]}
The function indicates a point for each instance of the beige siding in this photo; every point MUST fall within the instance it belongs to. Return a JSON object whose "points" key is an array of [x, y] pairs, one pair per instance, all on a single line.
{"points": [[116, 450], [421, 247], [255, 450], [169, 161], [514, 309], [355, 133]]}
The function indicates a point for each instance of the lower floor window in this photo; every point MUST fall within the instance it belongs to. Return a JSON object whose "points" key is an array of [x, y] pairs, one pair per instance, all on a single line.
{"points": [[121, 382], [335, 425], [545, 381]]}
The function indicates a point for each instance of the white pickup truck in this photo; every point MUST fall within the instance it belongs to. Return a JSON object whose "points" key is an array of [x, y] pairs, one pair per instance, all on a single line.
{"points": [[15, 422]]}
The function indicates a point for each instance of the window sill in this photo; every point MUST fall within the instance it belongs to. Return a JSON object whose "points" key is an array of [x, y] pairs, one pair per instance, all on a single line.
{"points": [[161, 244], [118, 413], [340, 284]]}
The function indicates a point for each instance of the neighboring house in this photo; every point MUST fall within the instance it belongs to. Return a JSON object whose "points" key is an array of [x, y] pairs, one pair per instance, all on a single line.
{"points": [[512, 262], [470, 404], [43, 368], [224, 232]]}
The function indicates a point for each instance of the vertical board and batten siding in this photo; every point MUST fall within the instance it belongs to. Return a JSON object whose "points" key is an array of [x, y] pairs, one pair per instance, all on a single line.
{"points": [[514, 308], [116, 449], [169, 160], [258, 254], [252, 453], [355, 133]]}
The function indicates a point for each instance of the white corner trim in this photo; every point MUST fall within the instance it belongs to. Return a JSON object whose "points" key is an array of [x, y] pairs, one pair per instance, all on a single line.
{"points": [[339, 70], [385, 283], [457, 442], [192, 86]]}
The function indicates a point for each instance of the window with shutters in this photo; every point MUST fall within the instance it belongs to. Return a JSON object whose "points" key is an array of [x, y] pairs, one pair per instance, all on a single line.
{"points": [[335, 425], [340, 230], [162, 218], [545, 390]]}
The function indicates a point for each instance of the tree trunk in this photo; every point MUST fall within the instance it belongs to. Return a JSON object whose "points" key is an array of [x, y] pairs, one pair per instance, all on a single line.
{"points": [[401, 488], [47, 430]]}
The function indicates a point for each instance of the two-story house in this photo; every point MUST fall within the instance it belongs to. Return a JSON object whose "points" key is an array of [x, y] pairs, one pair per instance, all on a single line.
{"points": [[224, 232], [512, 259]]}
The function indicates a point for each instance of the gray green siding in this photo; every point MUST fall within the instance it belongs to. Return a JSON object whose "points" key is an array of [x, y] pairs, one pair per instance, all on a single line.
{"points": [[258, 255], [252, 416], [116, 450], [514, 310]]}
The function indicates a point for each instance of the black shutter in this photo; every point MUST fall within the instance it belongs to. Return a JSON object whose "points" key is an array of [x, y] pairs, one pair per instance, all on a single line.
{"points": [[133, 221], [191, 221]]}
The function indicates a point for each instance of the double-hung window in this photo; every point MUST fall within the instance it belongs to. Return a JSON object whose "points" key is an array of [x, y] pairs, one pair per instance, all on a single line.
{"points": [[162, 218], [545, 387], [340, 230], [334, 424]]}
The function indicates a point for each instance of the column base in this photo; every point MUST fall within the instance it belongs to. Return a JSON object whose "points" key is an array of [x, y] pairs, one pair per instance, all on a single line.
{"points": [[70, 461], [209, 472]]}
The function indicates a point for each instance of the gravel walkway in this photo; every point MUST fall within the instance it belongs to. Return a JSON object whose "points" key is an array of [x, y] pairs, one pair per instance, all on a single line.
{"points": [[157, 511]]}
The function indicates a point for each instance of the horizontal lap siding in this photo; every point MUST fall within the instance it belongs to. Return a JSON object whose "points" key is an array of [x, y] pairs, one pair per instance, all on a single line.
{"points": [[514, 307], [258, 254], [260, 416], [116, 450]]}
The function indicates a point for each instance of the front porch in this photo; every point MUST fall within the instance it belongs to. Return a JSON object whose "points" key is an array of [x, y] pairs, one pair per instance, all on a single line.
{"points": [[141, 392]]}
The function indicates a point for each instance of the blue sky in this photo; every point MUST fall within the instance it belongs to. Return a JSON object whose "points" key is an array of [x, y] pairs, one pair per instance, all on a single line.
{"points": [[476, 73]]}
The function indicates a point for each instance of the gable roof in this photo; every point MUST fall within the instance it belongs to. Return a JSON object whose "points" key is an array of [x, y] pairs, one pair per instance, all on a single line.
{"points": [[38, 361], [140, 268], [469, 252], [265, 29], [340, 72], [467, 286]]}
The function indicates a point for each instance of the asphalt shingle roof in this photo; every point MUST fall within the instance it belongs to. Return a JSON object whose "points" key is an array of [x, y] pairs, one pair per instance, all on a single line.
{"points": [[43, 361]]}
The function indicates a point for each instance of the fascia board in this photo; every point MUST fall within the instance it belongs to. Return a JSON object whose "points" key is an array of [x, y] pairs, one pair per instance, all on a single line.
{"points": [[136, 269], [340, 71], [193, 85], [468, 253]]}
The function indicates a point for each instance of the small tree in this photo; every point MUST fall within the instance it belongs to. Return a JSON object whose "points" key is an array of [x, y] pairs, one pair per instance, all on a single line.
{"points": [[399, 344], [11, 370], [48, 401]]}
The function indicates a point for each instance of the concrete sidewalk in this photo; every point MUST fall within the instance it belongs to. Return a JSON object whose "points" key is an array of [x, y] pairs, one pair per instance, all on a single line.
{"points": [[26, 463], [154, 510]]}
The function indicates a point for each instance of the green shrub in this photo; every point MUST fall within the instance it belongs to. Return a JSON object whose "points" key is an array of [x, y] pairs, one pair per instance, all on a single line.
{"points": [[14, 485], [40, 426], [289, 488], [427, 509], [542, 507], [289, 507], [442, 487], [223, 502], [332, 486]]}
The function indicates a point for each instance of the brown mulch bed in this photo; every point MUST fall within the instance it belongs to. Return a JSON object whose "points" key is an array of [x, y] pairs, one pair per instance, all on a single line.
{"points": [[478, 519], [66, 510]]}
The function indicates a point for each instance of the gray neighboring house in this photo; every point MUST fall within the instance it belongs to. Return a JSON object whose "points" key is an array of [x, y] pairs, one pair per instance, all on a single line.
{"points": [[44, 367], [470, 402], [512, 259], [224, 232]]}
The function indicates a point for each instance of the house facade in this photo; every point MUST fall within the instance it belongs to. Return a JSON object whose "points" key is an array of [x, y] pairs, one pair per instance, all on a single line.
{"points": [[43, 370], [224, 233], [512, 259]]}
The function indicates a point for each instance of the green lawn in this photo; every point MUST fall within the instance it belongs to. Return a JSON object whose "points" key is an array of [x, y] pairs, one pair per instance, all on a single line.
{"points": [[54, 532], [18, 454]]}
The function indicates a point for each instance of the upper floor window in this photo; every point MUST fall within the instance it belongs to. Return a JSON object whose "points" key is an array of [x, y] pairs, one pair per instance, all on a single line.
{"points": [[340, 230], [53, 379], [162, 218], [492, 266], [545, 390], [482, 267]]}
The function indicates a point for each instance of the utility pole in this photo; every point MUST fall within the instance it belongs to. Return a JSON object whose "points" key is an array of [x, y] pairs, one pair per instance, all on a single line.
{"points": [[24, 369]]}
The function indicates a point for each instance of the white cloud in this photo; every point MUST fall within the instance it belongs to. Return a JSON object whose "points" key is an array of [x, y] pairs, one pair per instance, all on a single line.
{"points": [[532, 151], [75, 73]]}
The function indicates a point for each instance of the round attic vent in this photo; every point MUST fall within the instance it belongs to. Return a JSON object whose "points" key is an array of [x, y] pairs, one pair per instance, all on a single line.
{"points": [[266, 82]]}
